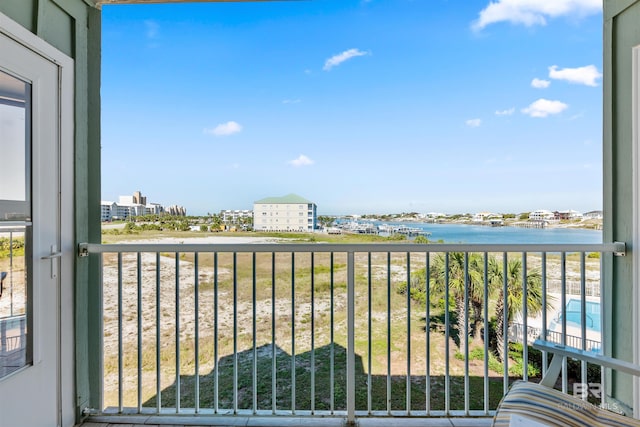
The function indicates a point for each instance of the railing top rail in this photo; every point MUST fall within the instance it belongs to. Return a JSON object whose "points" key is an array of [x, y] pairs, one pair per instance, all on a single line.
{"points": [[13, 227], [12, 318], [84, 249], [588, 356]]}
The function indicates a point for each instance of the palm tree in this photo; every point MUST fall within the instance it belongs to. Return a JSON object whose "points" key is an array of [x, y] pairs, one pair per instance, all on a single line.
{"points": [[514, 296], [462, 284]]}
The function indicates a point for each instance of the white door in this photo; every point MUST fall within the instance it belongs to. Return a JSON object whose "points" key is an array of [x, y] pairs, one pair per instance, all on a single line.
{"points": [[34, 332]]}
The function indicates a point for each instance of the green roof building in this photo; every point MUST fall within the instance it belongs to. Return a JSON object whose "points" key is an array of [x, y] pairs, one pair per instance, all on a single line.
{"points": [[286, 213]]}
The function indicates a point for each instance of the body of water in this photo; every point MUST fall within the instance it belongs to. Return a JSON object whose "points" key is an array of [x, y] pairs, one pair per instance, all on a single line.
{"points": [[463, 233]]}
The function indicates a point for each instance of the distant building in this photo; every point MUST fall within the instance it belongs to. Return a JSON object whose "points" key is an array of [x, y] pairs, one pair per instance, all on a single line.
{"points": [[107, 210], [139, 199], [568, 215], [234, 216], [484, 216], [135, 205], [176, 210], [434, 215], [287, 213], [593, 215], [541, 215]]}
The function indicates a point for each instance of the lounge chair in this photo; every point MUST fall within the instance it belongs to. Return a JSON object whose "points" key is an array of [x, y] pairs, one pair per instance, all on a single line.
{"points": [[530, 404]]}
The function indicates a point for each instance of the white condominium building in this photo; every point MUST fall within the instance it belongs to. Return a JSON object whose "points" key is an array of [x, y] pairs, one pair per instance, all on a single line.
{"points": [[233, 216], [287, 213]]}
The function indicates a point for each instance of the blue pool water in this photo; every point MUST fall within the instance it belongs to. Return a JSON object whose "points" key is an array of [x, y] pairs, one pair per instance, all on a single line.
{"points": [[592, 314]]}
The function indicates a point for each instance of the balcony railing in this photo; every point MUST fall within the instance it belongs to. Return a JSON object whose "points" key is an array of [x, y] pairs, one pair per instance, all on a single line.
{"points": [[345, 330]]}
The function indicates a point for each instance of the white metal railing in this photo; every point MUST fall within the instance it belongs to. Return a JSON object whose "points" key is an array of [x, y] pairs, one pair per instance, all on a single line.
{"points": [[347, 330], [516, 334]]}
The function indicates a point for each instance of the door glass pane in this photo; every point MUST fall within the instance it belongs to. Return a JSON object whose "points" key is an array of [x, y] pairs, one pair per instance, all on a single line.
{"points": [[15, 228], [15, 137], [15, 348]]}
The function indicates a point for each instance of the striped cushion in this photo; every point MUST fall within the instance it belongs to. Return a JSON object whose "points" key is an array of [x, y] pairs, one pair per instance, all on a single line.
{"points": [[548, 407]]}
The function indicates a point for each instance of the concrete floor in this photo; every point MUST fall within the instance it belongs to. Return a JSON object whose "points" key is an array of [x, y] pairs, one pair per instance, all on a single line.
{"points": [[275, 421]]}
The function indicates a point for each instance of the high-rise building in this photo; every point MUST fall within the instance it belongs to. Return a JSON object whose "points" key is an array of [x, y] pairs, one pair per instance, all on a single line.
{"points": [[139, 199]]}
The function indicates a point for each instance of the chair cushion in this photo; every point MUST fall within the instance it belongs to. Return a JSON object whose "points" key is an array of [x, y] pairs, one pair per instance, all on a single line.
{"points": [[531, 404]]}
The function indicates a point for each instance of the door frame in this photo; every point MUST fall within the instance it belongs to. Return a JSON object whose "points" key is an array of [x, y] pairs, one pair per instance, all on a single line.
{"points": [[66, 309], [635, 124]]}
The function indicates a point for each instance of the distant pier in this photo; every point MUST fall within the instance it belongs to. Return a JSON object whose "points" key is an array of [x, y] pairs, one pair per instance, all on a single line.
{"points": [[531, 224]]}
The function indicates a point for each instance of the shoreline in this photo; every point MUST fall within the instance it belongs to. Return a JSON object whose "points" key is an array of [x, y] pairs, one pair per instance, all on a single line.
{"points": [[595, 225]]}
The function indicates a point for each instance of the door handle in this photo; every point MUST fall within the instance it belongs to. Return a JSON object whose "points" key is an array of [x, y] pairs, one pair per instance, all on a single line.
{"points": [[51, 257]]}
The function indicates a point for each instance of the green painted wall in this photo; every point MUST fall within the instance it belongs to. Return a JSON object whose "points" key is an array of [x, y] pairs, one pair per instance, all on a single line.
{"points": [[621, 34], [73, 27]]}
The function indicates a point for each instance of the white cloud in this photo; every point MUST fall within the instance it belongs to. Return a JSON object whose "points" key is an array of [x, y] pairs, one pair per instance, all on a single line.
{"points": [[543, 107], [533, 12], [539, 83], [338, 59], [302, 160], [474, 123], [224, 129], [291, 101], [153, 28], [586, 75], [508, 112]]}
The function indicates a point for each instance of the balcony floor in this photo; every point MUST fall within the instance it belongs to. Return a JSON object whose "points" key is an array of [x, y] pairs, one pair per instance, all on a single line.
{"points": [[182, 421]]}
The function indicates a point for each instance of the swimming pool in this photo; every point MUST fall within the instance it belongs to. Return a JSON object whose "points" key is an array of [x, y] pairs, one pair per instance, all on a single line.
{"points": [[592, 317]]}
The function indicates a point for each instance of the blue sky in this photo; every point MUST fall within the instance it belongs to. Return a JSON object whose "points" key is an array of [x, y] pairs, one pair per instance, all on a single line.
{"points": [[360, 106]]}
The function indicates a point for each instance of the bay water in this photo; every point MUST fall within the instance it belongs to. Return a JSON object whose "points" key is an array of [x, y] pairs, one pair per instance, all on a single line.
{"points": [[466, 233]]}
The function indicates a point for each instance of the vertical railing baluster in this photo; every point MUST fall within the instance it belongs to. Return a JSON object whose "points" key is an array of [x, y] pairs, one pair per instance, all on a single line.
{"points": [[235, 333], [254, 331], [158, 338], [274, 390], [139, 329], [369, 334], [505, 323], [447, 385], [525, 333], [465, 336], [120, 347], [216, 367], [388, 333], [293, 333], [408, 302], [177, 254], [313, 336], [603, 375], [427, 328], [544, 309], [486, 333], [196, 326], [563, 303], [583, 319], [351, 351], [332, 353], [11, 273]]}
